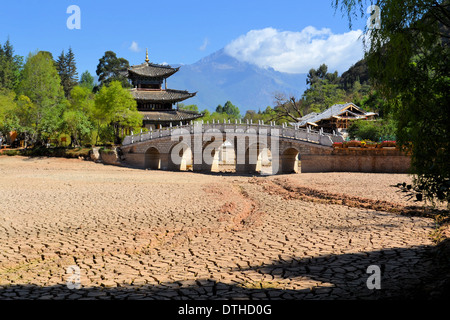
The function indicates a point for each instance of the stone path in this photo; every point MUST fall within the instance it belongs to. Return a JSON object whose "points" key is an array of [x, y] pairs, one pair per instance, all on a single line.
{"points": [[164, 235]]}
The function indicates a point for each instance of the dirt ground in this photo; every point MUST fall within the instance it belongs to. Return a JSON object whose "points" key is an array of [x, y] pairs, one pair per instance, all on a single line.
{"points": [[144, 234]]}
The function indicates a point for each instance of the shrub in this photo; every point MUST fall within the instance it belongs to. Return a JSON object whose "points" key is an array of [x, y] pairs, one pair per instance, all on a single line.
{"points": [[12, 152], [372, 130], [57, 152], [106, 150]]}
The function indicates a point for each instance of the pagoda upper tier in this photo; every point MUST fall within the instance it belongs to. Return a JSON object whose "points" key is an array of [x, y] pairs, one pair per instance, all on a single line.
{"points": [[149, 75], [151, 70]]}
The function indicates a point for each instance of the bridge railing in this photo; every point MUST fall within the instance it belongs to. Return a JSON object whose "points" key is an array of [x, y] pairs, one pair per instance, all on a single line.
{"points": [[284, 131]]}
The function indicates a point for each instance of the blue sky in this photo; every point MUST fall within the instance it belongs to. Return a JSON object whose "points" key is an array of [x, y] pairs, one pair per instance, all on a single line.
{"points": [[176, 31]]}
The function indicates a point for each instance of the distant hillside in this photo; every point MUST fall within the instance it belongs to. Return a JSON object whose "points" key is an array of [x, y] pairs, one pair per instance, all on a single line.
{"points": [[357, 72], [219, 77]]}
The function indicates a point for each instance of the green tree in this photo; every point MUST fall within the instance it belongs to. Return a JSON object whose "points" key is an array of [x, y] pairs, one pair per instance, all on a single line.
{"points": [[116, 107], [81, 98], [381, 130], [266, 115], [87, 81], [191, 107], [26, 113], [10, 67], [111, 68], [76, 123], [206, 115], [41, 84], [408, 60], [67, 70], [324, 90], [78, 116], [215, 116], [17, 114], [40, 80], [322, 94], [374, 101], [51, 122], [8, 119], [269, 113], [229, 111], [321, 73]]}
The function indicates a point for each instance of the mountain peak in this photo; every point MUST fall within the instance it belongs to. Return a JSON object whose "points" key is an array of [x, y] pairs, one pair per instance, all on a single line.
{"points": [[219, 77]]}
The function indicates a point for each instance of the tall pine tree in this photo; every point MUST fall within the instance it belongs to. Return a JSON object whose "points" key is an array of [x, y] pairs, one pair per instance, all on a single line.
{"points": [[10, 67], [67, 70]]}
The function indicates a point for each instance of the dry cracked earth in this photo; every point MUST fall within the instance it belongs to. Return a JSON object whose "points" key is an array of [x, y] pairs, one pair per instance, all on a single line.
{"points": [[142, 234]]}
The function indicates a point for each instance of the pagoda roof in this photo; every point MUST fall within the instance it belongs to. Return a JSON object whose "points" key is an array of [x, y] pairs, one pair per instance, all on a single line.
{"points": [[152, 70], [168, 95], [170, 115], [335, 111]]}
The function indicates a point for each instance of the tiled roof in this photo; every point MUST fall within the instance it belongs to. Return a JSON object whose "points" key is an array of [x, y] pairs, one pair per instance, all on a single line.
{"points": [[171, 115], [168, 95], [334, 111], [152, 70]]}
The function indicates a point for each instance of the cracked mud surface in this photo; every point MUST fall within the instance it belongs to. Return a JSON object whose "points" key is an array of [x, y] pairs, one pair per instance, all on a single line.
{"points": [[139, 234]]}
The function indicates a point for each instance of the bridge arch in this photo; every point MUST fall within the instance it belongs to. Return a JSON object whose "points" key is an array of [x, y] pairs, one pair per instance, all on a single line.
{"points": [[290, 160], [253, 157], [227, 154], [181, 157], [152, 158]]}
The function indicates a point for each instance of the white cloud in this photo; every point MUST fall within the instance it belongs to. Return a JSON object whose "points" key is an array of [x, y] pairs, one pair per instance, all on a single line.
{"points": [[298, 52], [134, 47], [204, 45]]}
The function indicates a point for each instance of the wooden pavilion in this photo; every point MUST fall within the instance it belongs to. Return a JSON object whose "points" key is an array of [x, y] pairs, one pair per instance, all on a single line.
{"points": [[337, 118]]}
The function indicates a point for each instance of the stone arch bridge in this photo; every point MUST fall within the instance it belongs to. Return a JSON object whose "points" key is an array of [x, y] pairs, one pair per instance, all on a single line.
{"points": [[196, 145]]}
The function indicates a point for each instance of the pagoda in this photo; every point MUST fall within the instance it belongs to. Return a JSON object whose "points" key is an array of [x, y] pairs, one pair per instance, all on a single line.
{"points": [[155, 103]]}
